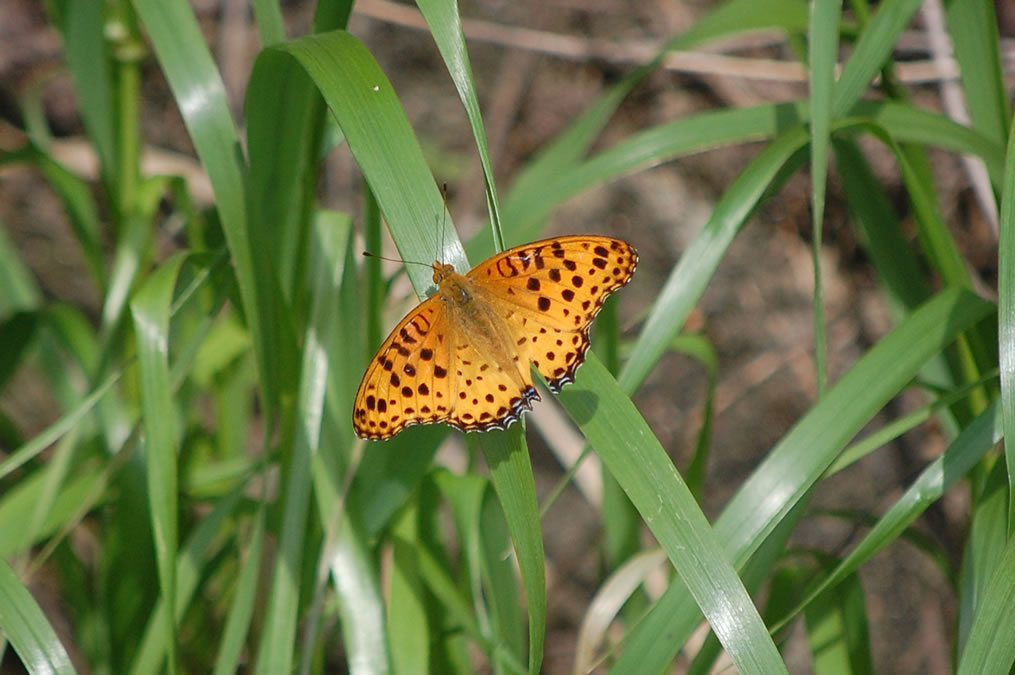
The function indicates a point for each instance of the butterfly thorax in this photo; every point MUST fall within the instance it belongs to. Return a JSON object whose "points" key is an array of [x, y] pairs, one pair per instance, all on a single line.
{"points": [[464, 299], [474, 311], [451, 286]]}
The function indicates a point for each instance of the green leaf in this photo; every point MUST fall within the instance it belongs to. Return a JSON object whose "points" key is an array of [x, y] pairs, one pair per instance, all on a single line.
{"points": [[954, 464], [989, 649], [797, 462], [507, 455], [17, 333], [410, 652], [889, 249], [361, 603], [331, 334], [191, 561], [241, 609], [151, 309], [18, 290], [24, 624], [1006, 320], [823, 53], [500, 580], [88, 58], [838, 632], [281, 616], [871, 52], [639, 463], [20, 505]]}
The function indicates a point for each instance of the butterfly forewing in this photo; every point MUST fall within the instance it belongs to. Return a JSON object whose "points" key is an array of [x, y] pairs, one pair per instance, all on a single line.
{"points": [[562, 282], [410, 380], [550, 291]]}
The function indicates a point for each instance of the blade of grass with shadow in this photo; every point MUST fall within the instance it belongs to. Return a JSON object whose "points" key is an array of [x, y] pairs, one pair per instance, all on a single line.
{"points": [[26, 626], [871, 52], [838, 630], [639, 463], [87, 48], [989, 648], [800, 459], [378, 133], [407, 616], [278, 654], [446, 28], [823, 50], [241, 607], [507, 455], [150, 309], [347, 553], [18, 289], [1006, 320]]}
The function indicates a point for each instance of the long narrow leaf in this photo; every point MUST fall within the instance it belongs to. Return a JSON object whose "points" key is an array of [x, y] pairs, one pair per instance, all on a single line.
{"points": [[23, 623], [802, 456], [1006, 319], [151, 309]]}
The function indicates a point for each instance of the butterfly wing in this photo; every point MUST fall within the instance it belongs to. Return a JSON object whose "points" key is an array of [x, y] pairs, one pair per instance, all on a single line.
{"points": [[440, 365], [410, 380], [427, 371], [549, 292], [488, 395]]}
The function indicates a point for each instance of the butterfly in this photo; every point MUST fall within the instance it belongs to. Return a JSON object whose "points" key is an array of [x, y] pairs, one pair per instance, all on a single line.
{"points": [[463, 355]]}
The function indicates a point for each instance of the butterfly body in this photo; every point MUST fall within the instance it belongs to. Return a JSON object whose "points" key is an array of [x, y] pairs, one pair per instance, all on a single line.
{"points": [[463, 355], [468, 306]]}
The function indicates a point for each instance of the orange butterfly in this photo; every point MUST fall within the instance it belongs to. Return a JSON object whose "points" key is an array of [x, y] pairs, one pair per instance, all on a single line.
{"points": [[462, 355]]}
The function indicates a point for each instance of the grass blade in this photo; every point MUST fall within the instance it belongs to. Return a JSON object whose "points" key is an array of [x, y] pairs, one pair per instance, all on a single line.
{"points": [[24, 624]]}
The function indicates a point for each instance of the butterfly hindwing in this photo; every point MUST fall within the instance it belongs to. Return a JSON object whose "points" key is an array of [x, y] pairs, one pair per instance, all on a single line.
{"points": [[488, 395], [555, 353]]}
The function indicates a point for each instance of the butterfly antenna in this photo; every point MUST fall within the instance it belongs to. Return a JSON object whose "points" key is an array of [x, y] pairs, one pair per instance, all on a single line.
{"points": [[444, 222], [368, 254]]}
